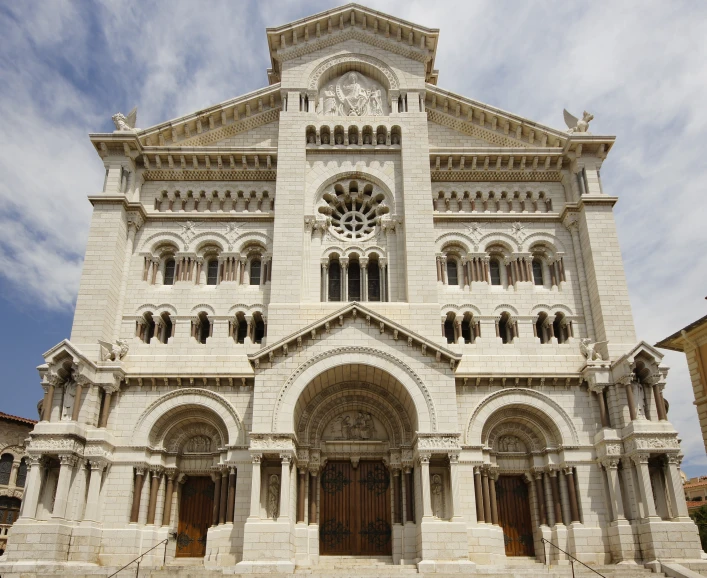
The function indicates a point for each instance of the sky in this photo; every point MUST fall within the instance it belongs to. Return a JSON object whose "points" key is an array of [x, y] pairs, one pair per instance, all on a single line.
{"points": [[66, 67]]}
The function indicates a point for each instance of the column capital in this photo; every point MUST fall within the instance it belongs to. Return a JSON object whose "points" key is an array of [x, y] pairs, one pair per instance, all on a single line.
{"points": [[68, 459], [453, 457], [640, 458], [256, 457], [609, 463], [424, 458], [98, 464], [286, 458]]}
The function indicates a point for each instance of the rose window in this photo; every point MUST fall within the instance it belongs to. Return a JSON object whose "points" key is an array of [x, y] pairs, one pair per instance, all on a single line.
{"points": [[354, 208]]}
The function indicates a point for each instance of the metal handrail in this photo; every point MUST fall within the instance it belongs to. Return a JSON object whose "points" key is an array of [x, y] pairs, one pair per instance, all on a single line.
{"points": [[139, 558], [572, 558]]}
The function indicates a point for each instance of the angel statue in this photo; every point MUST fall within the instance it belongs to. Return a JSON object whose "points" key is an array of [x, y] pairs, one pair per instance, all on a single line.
{"points": [[125, 123], [113, 351], [575, 125], [588, 349]]}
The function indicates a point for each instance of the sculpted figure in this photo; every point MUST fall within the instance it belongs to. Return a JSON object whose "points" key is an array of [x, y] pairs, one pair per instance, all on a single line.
{"points": [[575, 125], [113, 351], [355, 96], [69, 399], [330, 106], [436, 487], [125, 123], [588, 349], [273, 508]]}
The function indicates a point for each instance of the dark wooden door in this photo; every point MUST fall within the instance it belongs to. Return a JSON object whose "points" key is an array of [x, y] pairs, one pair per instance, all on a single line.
{"points": [[514, 515], [355, 509], [195, 513]]}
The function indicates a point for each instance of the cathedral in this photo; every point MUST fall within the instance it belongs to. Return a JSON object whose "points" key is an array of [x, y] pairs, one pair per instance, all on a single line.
{"points": [[351, 316]]}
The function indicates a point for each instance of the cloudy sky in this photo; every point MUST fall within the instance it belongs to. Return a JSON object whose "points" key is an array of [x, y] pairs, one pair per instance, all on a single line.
{"points": [[66, 67]]}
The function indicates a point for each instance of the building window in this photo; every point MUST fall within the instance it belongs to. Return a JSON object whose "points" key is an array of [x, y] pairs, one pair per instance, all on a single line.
{"points": [[5, 469], [22, 474], [374, 285], [241, 330], [169, 272], [560, 328], [148, 328], [201, 327], [212, 272], [495, 268], [354, 281], [541, 328], [538, 272], [167, 327], [467, 329], [334, 281], [452, 273], [259, 328], [449, 329], [9, 510], [255, 266], [507, 328]]}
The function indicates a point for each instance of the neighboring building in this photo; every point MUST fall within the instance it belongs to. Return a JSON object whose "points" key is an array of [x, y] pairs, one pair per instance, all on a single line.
{"points": [[352, 313], [14, 432], [695, 493], [692, 341]]}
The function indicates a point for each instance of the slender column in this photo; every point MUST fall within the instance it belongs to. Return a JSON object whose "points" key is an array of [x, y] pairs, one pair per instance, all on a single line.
{"points": [[231, 506], [344, 264], [13, 473], [285, 486], [398, 487], [154, 488], [540, 494], [443, 264], [313, 478], [677, 494], [363, 265], [48, 402], [572, 490], [425, 479], [63, 485], [409, 510], [168, 496], [487, 499], [300, 494], [612, 473], [325, 280], [77, 399], [659, 405], [630, 398], [555, 487], [33, 485], [479, 495], [105, 412], [492, 497], [94, 490], [224, 497], [216, 477], [454, 478], [137, 492]]}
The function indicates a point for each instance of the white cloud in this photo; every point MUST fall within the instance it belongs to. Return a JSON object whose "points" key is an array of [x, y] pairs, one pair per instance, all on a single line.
{"points": [[639, 67]]}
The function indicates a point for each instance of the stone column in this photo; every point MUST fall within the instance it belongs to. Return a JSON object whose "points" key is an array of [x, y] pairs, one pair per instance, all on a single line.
{"points": [[409, 509], [80, 382], [216, 477], [137, 491], [94, 490], [48, 400], [478, 492], [13, 473], [33, 485], [540, 495], [554, 485], [612, 473], [301, 482], [677, 494], [154, 489], [572, 491], [398, 490], [487, 498], [424, 460], [382, 276], [224, 497], [285, 486], [63, 486], [603, 414], [628, 382], [231, 506], [363, 264], [313, 478], [105, 411], [493, 476], [344, 265], [644, 485], [454, 479], [168, 496], [655, 382], [325, 280]]}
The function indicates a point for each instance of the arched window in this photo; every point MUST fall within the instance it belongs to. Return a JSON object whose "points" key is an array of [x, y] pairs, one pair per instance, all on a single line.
{"points": [[201, 327], [467, 324], [167, 327], [258, 328], [169, 271], [541, 328], [374, 285], [538, 272], [22, 474], [495, 268], [507, 328], [354, 281], [148, 328], [255, 266], [449, 329], [559, 328], [212, 272], [452, 272], [334, 281], [5, 469]]}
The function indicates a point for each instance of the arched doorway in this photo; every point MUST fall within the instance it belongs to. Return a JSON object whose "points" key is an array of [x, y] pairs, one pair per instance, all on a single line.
{"points": [[356, 423]]}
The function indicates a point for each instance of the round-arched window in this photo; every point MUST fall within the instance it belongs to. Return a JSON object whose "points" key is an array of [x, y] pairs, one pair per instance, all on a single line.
{"points": [[354, 208]]}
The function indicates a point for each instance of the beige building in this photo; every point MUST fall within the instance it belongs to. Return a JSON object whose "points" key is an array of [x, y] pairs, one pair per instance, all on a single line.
{"points": [[352, 314], [14, 432]]}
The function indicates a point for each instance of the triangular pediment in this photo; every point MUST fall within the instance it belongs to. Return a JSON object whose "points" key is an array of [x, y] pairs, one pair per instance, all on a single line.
{"points": [[641, 347], [353, 312]]}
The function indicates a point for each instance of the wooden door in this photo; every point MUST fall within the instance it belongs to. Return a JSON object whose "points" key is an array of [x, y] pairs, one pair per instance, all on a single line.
{"points": [[514, 515], [195, 513], [355, 510]]}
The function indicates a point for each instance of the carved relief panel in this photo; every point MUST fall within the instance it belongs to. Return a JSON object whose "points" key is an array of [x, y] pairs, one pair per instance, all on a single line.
{"points": [[352, 94], [355, 426]]}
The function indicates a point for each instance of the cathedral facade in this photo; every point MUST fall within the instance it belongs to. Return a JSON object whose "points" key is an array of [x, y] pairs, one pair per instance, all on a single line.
{"points": [[352, 314]]}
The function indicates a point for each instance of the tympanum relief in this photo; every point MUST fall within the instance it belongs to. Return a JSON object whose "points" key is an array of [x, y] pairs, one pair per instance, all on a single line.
{"points": [[355, 426], [510, 444], [352, 94]]}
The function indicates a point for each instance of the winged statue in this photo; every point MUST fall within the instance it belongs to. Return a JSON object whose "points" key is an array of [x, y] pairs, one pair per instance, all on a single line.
{"points": [[588, 349], [125, 123], [575, 125], [113, 351]]}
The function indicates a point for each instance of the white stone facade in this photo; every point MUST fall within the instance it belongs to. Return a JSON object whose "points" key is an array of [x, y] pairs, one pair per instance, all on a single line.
{"points": [[287, 265]]}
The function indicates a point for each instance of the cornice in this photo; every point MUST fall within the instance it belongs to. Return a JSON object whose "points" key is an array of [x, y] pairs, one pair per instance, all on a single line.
{"points": [[495, 218]]}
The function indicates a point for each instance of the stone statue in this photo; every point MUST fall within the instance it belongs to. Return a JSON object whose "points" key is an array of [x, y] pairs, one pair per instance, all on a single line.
{"points": [[588, 349], [352, 94], [329, 99], [575, 125], [125, 123], [69, 399], [362, 427], [436, 487], [509, 444], [273, 508], [639, 396], [114, 351]]}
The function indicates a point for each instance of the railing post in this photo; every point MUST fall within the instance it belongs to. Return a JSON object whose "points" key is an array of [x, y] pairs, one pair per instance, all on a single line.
{"points": [[137, 571], [572, 562], [164, 558]]}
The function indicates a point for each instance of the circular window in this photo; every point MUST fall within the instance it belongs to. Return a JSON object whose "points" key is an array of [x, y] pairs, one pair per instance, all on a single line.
{"points": [[354, 209]]}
